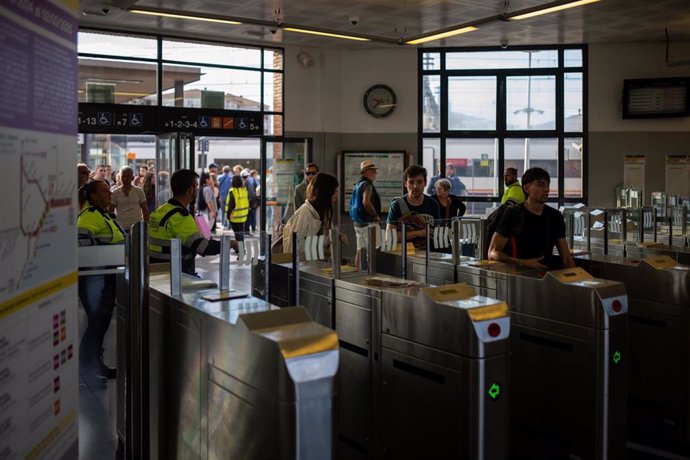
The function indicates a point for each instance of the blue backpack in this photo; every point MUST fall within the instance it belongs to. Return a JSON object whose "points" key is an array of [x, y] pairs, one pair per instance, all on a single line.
{"points": [[356, 210]]}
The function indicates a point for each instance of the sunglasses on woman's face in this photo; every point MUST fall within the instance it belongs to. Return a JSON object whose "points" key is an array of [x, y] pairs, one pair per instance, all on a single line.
{"points": [[310, 173]]}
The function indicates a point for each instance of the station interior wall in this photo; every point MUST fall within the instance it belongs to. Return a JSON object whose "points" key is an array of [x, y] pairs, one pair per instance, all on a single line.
{"points": [[324, 102]]}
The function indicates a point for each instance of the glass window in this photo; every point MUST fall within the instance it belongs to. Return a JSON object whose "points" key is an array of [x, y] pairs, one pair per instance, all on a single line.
{"points": [[572, 167], [273, 59], [431, 109], [531, 102], [432, 156], [211, 87], [431, 61], [174, 50], [273, 125], [472, 103], [572, 58], [474, 162], [117, 45], [273, 91], [526, 153], [531, 59], [572, 99], [117, 81]]}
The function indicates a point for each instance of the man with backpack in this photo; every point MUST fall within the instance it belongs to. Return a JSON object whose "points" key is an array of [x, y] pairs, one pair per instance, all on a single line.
{"points": [[530, 230], [414, 210], [365, 205]]}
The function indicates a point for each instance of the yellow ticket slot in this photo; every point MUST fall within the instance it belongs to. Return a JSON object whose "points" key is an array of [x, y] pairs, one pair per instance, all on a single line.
{"points": [[661, 262], [450, 292], [571, 275]]}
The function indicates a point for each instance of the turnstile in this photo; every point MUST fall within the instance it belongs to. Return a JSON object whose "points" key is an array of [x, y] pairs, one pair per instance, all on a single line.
{"points": [[441, 269], [238, 378], [569, 357], [423, 371], [659, 328]]}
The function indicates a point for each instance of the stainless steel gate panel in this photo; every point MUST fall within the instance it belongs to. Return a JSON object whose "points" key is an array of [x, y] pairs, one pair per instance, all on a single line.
{"points": [[570, 332], [239, 378], [659, 323]]}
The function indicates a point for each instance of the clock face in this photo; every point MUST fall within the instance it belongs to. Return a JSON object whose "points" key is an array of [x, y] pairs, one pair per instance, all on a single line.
{"points": [[379, 101]]}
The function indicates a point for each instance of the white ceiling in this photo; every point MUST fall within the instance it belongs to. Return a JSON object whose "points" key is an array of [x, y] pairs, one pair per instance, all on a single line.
{"points": [[609, 21]]}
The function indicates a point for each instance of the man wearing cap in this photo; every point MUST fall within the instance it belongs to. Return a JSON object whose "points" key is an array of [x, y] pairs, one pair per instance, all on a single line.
{"points": [[365, 204], [301, 190], [213, 169]]}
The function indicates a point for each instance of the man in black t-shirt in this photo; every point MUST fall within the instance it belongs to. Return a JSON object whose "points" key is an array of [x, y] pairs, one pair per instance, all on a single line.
{"points": [[530, 230]]}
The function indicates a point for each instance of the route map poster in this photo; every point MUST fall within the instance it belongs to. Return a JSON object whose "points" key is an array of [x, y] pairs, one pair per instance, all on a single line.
{"points": [[38, 290], [389, 180]]}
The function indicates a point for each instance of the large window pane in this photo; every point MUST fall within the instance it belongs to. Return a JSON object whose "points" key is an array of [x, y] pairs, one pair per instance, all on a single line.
{"points": [[532, 59], [431, 61], [572, 156], [174, 50], [431, 156], [523, 154], [474, 161], [531, 102], [431, 109], [472, 103], [573, 102], [273, 91], [117, 45], [573, 58], [273, 59], [117, 81], [210, 87]]}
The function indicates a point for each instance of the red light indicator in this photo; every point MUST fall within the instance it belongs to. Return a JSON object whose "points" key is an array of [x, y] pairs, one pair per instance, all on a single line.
{"points": [[494, 330], [617, 306]]}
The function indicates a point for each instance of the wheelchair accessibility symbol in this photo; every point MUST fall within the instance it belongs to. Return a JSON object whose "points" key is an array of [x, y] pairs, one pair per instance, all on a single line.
{"points": [[205, 122], [104, 118]]}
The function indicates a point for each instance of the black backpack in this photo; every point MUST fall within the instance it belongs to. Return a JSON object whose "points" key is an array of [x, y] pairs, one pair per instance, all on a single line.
{"points": [[201, 204], [492, 222]]}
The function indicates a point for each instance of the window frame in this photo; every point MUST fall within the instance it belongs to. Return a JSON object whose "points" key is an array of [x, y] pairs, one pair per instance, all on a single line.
{"points": [[502, 133]]}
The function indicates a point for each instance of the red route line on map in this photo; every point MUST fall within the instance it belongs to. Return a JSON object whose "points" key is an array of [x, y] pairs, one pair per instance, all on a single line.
{"points": [[46, 207]]}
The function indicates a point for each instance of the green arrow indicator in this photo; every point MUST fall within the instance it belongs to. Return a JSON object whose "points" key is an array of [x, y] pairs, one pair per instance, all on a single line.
{"points": [[494, 390], [617, 357]]}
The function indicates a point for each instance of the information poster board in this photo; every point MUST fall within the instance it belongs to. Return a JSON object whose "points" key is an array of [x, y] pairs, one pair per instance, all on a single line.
{"points": [[389, 180], [38, 287], [678, 175], [634, 171]]}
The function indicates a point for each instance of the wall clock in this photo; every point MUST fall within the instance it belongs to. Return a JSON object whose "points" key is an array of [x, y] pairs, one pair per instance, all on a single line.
{"points": [[379, 101]]}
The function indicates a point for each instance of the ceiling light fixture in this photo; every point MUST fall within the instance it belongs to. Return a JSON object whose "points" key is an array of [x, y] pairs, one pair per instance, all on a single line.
{"points": [[441, 35], [548, 8], [185, 16], [325, 34]]}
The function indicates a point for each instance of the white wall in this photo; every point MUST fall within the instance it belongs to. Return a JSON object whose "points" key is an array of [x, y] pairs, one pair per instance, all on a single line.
{"points": [[327, 97], [611, 137], [609, 65]]}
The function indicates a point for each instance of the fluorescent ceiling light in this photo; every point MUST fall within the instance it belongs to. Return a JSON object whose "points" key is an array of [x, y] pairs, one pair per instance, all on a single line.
{"points": [[325, 34], [552, 9], [450, 33], [184, 16]]}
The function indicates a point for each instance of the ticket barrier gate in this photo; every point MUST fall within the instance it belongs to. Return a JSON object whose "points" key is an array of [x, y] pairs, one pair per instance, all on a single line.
{"points": [[659, 329], [228, 377], [568, 365], [423, 370]]}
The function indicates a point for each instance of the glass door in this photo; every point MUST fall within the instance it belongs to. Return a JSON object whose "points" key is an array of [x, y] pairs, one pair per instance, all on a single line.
{"points": [[283, 169], [173, 151]]}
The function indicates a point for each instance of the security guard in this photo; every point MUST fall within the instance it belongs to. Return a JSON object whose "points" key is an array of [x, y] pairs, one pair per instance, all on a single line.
{"points": [[237, 207], [173, 220], [97, 226], [513, 191]]}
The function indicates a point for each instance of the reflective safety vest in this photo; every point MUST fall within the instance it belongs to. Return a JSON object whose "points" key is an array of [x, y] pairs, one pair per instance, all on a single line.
{"points": [[172, 220], [514, 193], [98, 227], [241, 197]]}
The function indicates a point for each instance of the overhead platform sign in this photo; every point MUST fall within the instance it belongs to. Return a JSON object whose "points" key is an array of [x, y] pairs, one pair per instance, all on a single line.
{"points": [[97, 118], [39, 334]]}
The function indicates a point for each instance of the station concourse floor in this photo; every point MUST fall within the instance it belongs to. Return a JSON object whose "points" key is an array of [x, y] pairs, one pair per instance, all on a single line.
{"points": [[97, 400]]}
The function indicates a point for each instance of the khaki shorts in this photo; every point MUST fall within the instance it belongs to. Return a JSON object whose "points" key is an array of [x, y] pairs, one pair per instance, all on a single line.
{"points": [[362, 235]]}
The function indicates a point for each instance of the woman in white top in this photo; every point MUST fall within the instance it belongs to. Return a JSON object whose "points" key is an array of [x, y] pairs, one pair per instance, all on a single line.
{"points": [[129, 202], [315, 216]]}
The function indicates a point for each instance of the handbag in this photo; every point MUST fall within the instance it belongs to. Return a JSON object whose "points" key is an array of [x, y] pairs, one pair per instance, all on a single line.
{"points": [[202, 226]]}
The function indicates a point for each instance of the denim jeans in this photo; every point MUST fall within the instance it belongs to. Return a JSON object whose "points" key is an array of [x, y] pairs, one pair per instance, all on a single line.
{"points": [[97, 295]]}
